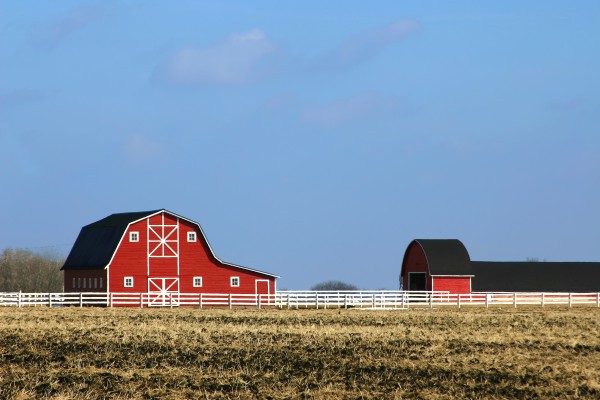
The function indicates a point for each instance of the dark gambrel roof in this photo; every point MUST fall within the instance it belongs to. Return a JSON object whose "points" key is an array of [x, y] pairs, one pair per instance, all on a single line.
{"points": [[446, 256], [98, 241], [536, 276]]}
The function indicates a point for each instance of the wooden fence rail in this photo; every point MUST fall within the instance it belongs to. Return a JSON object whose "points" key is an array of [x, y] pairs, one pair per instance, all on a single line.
{"points": [[300, 299]]}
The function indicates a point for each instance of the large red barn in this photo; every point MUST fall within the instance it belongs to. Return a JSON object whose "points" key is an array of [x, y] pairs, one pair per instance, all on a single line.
{"points": [[154, 252]]}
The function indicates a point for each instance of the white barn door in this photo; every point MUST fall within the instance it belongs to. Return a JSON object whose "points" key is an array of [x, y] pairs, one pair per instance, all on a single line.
{"points": [[163, 292]]}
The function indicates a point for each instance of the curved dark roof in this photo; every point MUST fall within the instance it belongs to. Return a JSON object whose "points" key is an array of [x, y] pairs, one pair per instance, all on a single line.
{"points": [[536, 276], [98, 241], [446, 256]]}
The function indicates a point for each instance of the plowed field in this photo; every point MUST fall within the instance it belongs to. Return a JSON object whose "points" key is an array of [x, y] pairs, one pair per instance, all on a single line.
{"points": [[96, 353]]}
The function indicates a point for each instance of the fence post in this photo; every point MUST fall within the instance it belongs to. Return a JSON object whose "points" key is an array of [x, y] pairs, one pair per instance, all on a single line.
{"points": [[515, 299], [458, 296], [431, 300], [598, 299], [258, 299], [373, 302], [110, 299], [80, 299], [19, 299], [487, 300], [543, 297], [346, 301], [141, 300], [230, 302], [49, 299], [200, 301], [570, 300], [317, 295]]}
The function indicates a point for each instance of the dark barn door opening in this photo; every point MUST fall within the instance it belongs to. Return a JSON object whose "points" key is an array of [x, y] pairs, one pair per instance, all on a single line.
{"points": [[417, 281]]}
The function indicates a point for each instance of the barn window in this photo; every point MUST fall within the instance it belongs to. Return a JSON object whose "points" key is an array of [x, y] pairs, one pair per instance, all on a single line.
{"points": [[197, 281], [74, 281], [78, 283], [100, 283], [134, 236], [95, 283], [191, 236], [235, 281], [128, 281], [84, 281]]}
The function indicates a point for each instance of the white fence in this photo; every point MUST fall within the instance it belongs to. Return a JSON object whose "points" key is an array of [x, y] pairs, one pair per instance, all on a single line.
{"points": [[300, 299]]}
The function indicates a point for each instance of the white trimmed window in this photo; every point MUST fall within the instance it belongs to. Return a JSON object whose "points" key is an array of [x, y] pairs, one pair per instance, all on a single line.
{"points": [[191, 237], [95, 283], [197, 281], [101, 283], [235, 281], [78, 283], [74, 281], [84, 280], [134, 236], [128, 281]]}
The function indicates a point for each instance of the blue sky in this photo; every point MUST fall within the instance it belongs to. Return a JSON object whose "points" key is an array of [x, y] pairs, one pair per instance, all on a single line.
{"points": [[313, 140]]}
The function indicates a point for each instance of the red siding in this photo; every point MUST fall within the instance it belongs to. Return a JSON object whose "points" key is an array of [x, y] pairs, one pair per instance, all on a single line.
{"points": [[195, 260], [415, 261], [452, 284]]}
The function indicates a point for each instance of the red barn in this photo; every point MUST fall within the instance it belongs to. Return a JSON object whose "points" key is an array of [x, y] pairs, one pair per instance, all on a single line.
{"points": [[437, 265], [445, 265], [154, 252]]}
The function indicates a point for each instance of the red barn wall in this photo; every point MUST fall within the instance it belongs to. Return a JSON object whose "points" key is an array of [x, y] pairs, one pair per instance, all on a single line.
{"points": [[95, 280], [459, 284], [195, 260], [415, 261]]}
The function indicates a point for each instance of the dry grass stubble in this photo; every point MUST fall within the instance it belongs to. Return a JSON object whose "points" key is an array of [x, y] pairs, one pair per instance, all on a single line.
{"points": [[96, 353]]}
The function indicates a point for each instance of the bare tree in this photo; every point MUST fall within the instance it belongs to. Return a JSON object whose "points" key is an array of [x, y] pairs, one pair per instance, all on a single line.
{"points": [[27, 271], [333, 285]]}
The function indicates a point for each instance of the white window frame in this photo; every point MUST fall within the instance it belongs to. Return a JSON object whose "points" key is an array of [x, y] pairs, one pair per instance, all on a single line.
{"points": [[134, 236], [197, 281], [100, 282], [74, 283], [191, 236], [234, 281], [128, 281]]}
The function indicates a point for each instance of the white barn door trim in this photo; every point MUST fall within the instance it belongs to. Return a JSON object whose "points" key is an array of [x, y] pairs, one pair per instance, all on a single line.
{"points": [[163, 292]]}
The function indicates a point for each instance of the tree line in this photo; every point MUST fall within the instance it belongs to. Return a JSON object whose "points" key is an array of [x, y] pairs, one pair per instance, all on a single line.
{"points": [[28, 271]]}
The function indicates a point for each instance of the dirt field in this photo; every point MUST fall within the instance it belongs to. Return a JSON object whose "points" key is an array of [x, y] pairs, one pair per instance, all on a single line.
{"points": [[327, 354]]}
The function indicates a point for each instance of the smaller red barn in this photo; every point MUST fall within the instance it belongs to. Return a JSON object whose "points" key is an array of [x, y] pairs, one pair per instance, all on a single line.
{"points": [[437, 265], [155, 252]]}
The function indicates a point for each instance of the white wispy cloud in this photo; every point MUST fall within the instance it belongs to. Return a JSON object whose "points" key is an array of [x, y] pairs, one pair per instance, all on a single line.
{"points": [[358, 107], [367, 45], [235, 60], [52, 34]]}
